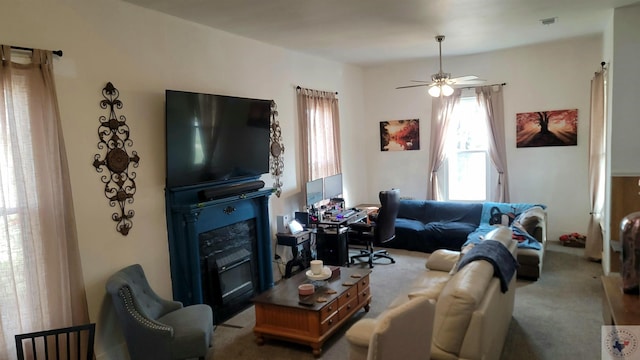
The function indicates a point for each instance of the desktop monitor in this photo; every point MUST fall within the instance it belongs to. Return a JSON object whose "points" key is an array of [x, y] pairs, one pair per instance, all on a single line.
{"points": [[314, 192], [333, 186]]}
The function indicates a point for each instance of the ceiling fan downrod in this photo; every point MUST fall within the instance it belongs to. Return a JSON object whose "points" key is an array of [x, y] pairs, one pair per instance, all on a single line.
{"points": [[440, 39]]}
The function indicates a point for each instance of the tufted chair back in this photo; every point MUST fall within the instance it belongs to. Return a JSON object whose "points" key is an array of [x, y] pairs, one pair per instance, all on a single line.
{"points": [[146, 301], [156, 328]]}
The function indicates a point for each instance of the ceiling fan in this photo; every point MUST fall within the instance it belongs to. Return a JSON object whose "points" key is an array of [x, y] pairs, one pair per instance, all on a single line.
{"points": [[441, 82]]}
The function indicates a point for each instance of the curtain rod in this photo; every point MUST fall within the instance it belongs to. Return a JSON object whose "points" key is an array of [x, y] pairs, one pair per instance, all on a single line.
{"points": [[473, 87], [55, 52], [299, 88]]}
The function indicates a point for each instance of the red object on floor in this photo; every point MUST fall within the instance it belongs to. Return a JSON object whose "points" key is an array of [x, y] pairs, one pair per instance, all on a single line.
{"points": [[573, 240]]}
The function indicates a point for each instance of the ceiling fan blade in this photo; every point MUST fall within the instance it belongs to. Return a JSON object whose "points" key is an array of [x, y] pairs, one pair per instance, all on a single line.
{"points": [[464, 78], [469, 82], [441, 78], [411, 86]]}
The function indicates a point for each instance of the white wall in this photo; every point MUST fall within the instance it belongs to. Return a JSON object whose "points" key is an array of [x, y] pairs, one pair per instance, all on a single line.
{"points": [[625, 83], [143, 53], [542, 77]]}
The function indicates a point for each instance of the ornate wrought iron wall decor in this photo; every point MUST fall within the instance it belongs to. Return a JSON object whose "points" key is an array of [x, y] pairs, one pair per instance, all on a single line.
{"points": [[119, 184], [277, 149]]}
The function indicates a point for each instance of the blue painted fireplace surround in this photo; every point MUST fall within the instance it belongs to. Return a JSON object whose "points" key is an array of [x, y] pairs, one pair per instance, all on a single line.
{"points": [[188, 219]]}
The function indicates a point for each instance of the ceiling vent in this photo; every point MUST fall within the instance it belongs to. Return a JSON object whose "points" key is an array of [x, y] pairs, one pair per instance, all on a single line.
{"points": [[549, 21]]}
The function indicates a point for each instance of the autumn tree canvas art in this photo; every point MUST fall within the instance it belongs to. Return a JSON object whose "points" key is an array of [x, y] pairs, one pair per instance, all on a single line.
{"points": [[547, 128], [399, 135]]}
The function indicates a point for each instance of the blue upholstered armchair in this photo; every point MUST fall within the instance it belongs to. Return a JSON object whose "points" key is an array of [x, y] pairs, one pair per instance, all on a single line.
{"points": [[155, 328]]}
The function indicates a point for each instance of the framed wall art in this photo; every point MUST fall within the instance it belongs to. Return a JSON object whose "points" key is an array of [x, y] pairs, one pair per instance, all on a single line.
{"points": [[547, 128], [400, 135]]}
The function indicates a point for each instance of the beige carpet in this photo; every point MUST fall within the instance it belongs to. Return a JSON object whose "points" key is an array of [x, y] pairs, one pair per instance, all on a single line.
{"points": [[557, 317]]}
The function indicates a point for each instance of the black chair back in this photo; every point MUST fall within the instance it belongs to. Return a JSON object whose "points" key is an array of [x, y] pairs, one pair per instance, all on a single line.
{"points": [[71, 343], [385, 229]]}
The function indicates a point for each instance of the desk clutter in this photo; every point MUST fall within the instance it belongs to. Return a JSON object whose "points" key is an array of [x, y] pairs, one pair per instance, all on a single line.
{"points": [[323, 237]]}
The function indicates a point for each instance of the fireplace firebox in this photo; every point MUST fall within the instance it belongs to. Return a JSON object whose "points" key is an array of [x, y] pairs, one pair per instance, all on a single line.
{"points": [[228, 267], [220, 250]]}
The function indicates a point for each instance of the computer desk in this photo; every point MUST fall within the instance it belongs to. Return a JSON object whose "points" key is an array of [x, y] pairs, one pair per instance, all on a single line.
{"points": [[335, 249]]}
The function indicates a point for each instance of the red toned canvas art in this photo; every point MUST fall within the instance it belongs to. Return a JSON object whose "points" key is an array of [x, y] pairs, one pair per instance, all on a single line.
{"points": [[547, 128], [399, 135]]}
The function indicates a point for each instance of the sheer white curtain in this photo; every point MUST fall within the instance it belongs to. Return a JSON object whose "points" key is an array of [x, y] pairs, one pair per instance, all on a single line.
{"points": [[319, 133], [491, 103], [41, 282], [597, 146], [441, 112]]}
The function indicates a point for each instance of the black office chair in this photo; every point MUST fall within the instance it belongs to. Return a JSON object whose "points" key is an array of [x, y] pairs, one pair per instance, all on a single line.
{"points": [[380, 229], [75, 342]]}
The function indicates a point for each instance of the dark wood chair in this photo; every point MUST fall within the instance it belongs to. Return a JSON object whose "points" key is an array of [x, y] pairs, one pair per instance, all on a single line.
{"points": [[379, 230], [74, 342]]}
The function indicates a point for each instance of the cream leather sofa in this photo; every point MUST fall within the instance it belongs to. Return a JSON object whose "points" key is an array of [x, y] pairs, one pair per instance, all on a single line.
{"points": [[472, 313]]}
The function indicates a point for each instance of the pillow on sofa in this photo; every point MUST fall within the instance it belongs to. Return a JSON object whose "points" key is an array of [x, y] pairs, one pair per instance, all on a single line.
{"points": [[442, 260], [529, 219]]}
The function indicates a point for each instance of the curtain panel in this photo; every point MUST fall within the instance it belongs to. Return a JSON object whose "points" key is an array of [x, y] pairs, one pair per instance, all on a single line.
{"points": [[597, 163], [319, 133], [441, 112], [41, 281], [492, 105]]}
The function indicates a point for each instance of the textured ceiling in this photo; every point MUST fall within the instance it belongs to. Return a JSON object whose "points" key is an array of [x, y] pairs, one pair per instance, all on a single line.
{"points": [[374, 31]]}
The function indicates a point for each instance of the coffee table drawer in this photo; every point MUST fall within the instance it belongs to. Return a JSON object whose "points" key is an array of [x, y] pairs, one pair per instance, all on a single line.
{"points": [[363, 283], [329, 323], [347, 296], [346, 310], [328, 310], [364, 294]]}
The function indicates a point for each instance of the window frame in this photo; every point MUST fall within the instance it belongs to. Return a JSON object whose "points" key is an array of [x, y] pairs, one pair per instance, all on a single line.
{"points": [[445, 175]]}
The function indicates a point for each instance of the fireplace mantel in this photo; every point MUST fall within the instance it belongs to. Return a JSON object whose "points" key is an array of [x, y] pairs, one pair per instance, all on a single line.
{"points": [[188, 218]]}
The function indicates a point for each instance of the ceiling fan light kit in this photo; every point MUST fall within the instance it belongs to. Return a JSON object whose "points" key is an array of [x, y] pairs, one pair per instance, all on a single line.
{"points": [[446, 89], [443, 89], [442, 83]]}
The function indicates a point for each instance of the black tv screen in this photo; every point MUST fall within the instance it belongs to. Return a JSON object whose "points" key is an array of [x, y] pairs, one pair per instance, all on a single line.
{"points": [[215, 138]]}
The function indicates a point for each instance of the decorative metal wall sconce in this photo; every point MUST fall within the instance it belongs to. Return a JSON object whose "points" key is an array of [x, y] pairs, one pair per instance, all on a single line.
{"points": [[277, 149], [119, 184]]}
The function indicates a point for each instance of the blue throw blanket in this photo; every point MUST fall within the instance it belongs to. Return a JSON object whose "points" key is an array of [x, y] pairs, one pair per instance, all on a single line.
{"points": [[504, 264], [494, 213]]}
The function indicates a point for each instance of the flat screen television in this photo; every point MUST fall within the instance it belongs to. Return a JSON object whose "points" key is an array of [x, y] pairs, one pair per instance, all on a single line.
{"points": [[215, 139]]}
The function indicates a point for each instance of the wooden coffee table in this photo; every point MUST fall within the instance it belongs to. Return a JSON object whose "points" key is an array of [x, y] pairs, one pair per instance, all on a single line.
{"points": [[280, 314]]}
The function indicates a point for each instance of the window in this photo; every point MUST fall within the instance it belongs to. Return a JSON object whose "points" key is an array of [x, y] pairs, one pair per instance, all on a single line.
{"points": [[35, 206], [319, 123], [321, 136], [466, 168]]}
